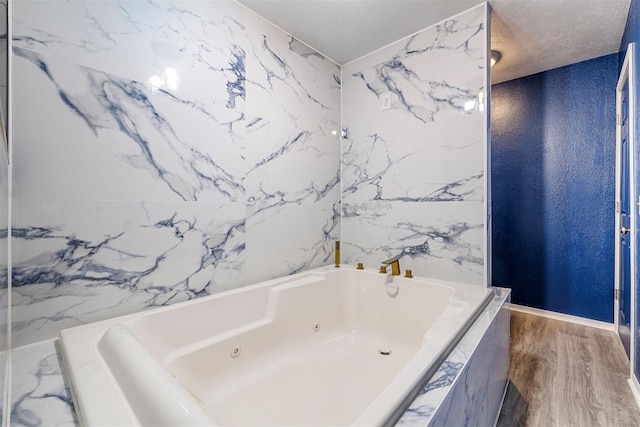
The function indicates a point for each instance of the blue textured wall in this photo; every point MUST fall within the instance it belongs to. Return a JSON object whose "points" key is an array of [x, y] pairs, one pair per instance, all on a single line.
{"points": [[632, 34], [553, 155]]}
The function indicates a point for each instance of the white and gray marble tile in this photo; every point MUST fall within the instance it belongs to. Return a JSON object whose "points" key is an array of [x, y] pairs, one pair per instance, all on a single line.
{"points": [[290, 165], [284, 239], [40, 395], [439, 240], [401, 166], [99, 143], [172, 143], [477, 394], [284, 75], [293, 145], [109, 138], [170, 45], [429, 145], [469, 386], [293, 120], [78, 262]]}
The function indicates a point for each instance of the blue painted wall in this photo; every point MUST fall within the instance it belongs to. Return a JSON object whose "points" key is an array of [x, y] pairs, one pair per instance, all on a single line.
{"points": [[632, 34], [553, 170]]}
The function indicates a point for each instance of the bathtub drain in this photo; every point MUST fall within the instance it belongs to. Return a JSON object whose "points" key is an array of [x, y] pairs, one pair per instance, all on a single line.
{"points": [[384, 351]]}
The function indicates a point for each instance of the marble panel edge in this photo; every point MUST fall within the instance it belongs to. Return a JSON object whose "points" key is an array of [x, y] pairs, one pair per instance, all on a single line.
{"points": [[473, 336]]}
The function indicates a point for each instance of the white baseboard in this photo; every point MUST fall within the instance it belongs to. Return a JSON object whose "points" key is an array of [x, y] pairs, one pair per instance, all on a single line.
{"points": [[635, 388], [564, 317]]}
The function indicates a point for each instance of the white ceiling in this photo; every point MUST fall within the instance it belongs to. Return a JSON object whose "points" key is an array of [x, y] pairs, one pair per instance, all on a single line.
{"points": [[540, 35], [533, 35]]}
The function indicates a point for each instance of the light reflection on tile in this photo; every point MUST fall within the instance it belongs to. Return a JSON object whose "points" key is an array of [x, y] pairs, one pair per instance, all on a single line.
{"points": [[171, 138], [401, 165]]}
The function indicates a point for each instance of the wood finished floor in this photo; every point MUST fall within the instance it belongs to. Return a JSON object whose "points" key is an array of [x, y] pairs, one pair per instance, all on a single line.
{"points": [[562, 374]]}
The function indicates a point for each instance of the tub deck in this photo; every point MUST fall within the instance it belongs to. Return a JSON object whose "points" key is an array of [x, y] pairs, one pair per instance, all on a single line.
{"points": [[300, 350]]}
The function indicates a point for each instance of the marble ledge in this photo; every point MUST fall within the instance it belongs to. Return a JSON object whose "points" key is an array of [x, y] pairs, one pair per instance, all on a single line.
{"points": [[433, 395], [40, 395]]}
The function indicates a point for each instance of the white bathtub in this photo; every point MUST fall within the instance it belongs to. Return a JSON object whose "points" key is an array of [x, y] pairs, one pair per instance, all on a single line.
{"points": [[307, 349]]}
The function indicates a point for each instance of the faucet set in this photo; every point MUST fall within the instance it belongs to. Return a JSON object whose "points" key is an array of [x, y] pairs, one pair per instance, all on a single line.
{"points": [[395, 268], [393, 262]]}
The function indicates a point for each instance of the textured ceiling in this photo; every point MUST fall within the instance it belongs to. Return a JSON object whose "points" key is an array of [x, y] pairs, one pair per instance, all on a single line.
{"points": [[540, 35], [533, 35]]}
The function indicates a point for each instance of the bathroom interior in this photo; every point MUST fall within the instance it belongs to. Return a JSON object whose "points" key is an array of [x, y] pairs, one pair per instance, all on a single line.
{"points": [[162, 154]]}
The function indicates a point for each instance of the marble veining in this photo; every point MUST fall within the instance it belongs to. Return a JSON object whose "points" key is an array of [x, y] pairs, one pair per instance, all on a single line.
{"points": [[40, 395], [188, 167], [182, 149], [293, 114], [311, 229], [69, 271], [413, 174], [369, 175], [171, 45], [185, 148], [436, 237], [471, 381], [285, 71], [477, 393]]}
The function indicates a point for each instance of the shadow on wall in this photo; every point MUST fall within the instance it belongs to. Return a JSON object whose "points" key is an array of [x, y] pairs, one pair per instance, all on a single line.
{"points": [[553, 155]]}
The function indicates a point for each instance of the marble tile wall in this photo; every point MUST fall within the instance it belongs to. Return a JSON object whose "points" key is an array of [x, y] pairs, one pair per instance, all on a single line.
{"points": [[166, 150], [163, 150], [413, 175]]}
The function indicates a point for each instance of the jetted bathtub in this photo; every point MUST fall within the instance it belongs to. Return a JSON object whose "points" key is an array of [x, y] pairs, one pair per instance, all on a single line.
{"points": [[325, 347]]}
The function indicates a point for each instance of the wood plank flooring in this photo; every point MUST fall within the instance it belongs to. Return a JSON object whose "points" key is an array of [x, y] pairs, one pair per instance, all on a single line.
{"points": [[564, 375]]}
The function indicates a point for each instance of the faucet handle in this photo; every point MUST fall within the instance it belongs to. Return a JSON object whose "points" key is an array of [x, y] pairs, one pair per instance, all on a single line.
{"points": [[383, 269]]}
